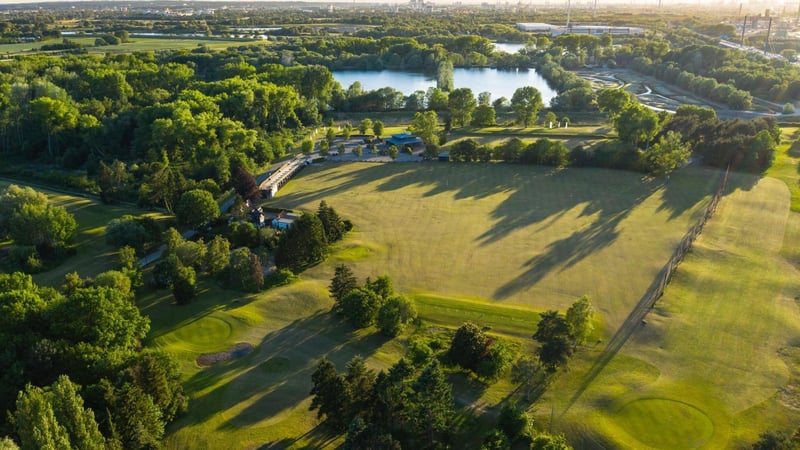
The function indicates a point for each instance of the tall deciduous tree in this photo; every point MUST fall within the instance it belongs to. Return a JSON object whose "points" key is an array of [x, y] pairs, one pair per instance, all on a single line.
{"points": [[579, 320], [526, 103], [424, 125], [469, 346], [245, 184], [196, 208], [395, 314], [444, 75], [637, 124], [218, 255], [667, 154], [365, 125], [360, 306], [49, 226], [377, 128], [552, 333], [461, 103], [36, 423]]}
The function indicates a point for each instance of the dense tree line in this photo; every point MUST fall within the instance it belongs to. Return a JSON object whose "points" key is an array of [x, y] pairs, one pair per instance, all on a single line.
{"points": [[88, 334]]}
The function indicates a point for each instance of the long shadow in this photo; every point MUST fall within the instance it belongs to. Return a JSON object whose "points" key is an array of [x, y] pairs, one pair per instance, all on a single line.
{"points": [[631, 324], [277, 375]]}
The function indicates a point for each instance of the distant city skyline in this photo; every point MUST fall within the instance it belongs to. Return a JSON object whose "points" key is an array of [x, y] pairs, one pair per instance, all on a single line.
{"points": [[576, 3]]}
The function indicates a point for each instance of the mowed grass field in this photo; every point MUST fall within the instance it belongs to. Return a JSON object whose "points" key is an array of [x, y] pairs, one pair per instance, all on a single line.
{"points": [[716, 363], [493, 244], [137, 44]]}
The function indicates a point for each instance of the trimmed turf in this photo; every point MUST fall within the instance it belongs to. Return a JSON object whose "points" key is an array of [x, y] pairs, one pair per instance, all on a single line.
{"points": [[718, 340]]}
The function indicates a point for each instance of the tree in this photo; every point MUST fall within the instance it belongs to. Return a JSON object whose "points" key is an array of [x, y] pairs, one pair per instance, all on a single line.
{"points": [[302, 245], [377, 128], [43, 226], [245, 184], [461, 103], [36, 423], [614, 101], [126, 231], [184, 284], [342, 283], [360, 306], [637, 124], [393, 151], [79, 422], [496, 440], [245, 271], [444, 75], [332, 224], [484, 116], [431, 408], [196, 208], [395, 314], [424, 125], [165, 184], [112, 180], [137, 419], [549, 118], [526, 103], [552, 333], [158, 376], [53, 116], [365, 125], [330, 396], [579, 320], [115, 280], [774, 440], [485, 98], [12, 199], [99, 316], [330, 135], [667, 154], [496, 360], [218, 255], [514, 422], [468, 347]]}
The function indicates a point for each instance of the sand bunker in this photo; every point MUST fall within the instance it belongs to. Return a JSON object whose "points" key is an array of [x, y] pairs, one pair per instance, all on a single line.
{"points": [[237, 351]]}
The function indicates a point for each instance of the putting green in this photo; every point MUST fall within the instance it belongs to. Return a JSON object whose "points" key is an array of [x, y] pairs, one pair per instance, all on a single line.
{"points": [[665, 423], [205, 333]]}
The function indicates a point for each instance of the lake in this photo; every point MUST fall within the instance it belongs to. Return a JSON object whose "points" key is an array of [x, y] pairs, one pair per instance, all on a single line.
{"points": [[501, 83]]}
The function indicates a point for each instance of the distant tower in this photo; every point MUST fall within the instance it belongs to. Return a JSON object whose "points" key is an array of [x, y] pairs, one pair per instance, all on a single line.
{"points": [[569, 10]]}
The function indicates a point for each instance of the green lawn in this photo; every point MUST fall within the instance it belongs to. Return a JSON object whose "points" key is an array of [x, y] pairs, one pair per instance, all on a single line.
{"points": [[714, 364]]}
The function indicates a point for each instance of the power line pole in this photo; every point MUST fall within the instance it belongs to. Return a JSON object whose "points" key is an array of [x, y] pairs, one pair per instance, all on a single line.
{"points": [[766, 41], [744, 26]]}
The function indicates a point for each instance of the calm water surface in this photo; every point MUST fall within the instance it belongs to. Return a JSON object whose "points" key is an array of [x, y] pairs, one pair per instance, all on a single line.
{"points": [[501, 83]]}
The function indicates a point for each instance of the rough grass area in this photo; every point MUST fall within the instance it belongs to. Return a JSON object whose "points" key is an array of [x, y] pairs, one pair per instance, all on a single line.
{"points": [[717, 343]]}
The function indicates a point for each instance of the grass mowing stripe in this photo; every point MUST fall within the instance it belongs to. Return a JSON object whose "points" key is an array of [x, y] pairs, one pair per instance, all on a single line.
{"points": [[514, 321]]}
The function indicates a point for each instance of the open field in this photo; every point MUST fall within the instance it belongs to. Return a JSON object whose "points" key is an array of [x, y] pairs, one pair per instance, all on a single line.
{"points": [[715, 364], [494, 244], [137, 44]]}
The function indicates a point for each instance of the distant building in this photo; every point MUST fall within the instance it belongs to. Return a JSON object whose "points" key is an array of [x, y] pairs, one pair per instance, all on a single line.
{"points": [[594, 30], [404, 139], [536, 27]]}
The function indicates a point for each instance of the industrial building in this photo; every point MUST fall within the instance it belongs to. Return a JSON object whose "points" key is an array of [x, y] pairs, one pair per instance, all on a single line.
{"points": [[595, 30]]}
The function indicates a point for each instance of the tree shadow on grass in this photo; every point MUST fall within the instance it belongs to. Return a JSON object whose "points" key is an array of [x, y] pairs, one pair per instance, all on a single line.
{"points": [[277, 375]]}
